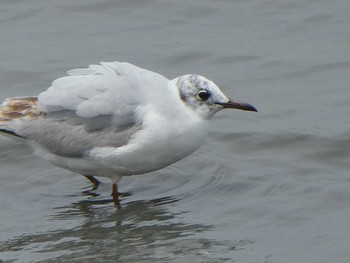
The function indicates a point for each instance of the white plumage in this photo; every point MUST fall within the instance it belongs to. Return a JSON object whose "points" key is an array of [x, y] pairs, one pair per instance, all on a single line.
{"points": [[116, 119]]}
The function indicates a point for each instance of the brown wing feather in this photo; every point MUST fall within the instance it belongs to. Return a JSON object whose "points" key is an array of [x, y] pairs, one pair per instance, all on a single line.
{"points": [[19, 107]]}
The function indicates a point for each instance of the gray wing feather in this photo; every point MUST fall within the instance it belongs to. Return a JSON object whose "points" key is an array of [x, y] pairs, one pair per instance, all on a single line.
{"points": [[63, 139]]}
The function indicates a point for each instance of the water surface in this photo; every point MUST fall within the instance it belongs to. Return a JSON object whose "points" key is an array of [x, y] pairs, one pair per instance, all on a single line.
{"points": [[266, 187]]}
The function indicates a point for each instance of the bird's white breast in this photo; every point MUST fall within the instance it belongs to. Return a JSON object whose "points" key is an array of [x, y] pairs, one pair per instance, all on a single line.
{"points": [[162, 142]]}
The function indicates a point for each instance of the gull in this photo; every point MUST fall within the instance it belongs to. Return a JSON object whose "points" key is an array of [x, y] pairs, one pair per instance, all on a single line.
{"points": [[115, 119]]}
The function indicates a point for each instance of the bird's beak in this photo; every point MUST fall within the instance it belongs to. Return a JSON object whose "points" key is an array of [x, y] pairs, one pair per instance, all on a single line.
{"points": [[231, 104]]}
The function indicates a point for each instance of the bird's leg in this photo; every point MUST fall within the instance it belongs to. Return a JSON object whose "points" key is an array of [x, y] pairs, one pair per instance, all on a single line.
{"points": [[115, 195], [94, 181]]}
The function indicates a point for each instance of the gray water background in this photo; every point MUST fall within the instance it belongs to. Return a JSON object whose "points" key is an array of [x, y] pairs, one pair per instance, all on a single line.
{"points": [[267, 187]]}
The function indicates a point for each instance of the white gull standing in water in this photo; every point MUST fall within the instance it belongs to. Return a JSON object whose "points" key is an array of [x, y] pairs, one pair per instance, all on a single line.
{"points": [[116, 119]]}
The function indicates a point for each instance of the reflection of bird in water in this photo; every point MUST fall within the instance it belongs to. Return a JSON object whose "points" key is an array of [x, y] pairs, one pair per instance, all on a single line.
{"points": [[116, 119], [141, 229]]}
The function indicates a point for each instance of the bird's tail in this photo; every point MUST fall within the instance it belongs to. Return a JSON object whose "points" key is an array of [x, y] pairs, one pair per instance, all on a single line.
{"points": [[16, 108]]}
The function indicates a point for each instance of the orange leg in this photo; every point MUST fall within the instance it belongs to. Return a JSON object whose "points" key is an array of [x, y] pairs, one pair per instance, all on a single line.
{"points": [[93, 180], [115, 195]]}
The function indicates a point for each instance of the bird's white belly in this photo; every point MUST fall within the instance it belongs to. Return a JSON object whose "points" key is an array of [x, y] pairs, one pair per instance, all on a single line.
{"points": [[152, 149]]}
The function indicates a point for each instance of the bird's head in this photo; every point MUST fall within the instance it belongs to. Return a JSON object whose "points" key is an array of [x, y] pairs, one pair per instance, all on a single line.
{"points": [[204, 97]]}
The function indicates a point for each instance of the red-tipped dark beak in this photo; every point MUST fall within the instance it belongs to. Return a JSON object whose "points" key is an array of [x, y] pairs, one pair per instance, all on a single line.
{"points": [[238, 105]]}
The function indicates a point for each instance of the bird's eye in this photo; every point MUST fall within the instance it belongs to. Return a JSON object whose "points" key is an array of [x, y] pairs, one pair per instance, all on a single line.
{"points": [[203, 94]]}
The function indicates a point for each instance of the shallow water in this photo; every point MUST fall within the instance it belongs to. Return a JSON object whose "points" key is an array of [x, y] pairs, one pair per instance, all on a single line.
{"points": [[265, 187]]}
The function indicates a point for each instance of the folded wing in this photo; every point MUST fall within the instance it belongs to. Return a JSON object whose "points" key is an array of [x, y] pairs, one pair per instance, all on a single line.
{"points": [[99, 106], [102, 95]]}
